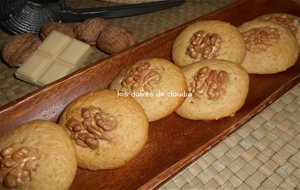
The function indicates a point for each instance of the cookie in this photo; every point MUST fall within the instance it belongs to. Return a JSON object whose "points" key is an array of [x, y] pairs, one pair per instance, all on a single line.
{"points": [[287, 20], [271, 48], [37, 155], [106, 129], [208, 40], [156, 84], [219, 88]]}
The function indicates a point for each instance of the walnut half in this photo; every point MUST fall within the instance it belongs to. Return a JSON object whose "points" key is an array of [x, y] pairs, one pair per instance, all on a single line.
{"points": [[59, 27], [17, 162], [113, 39], [90, 29], [18, 48], [93, 127], [210, 82], [205, 44], [260, 39], [285, 21], [141, 78]]}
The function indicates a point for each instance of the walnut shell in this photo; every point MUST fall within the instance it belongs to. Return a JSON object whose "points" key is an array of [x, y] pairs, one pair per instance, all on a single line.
{"points": [[114, 39], [18, 48], [89, 30], [50, 26]]}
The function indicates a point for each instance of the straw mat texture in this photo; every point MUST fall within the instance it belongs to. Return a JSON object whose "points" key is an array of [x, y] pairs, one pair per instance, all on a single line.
{"points": [[262, 154]]}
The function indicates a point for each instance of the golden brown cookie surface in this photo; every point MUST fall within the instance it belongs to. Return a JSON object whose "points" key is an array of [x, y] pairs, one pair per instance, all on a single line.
{"points": [[271, 48], [37, 155], [156, 84], [219, 88], [107, 130], [287, 20], [209, 39]]}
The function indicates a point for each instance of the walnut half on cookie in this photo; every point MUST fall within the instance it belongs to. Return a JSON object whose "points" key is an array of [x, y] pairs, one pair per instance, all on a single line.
{"points": [[156, 84], [289, 21], [219, 89], [271, 48], [106, 128], [37, 155], [205, 40]]}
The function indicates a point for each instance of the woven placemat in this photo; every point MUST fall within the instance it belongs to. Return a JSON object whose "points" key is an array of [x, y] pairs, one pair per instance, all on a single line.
{"points": [[262, 154]]}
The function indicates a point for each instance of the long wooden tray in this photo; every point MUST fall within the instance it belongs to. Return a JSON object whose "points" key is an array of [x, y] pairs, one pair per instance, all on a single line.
{"points": [[173, 142]]}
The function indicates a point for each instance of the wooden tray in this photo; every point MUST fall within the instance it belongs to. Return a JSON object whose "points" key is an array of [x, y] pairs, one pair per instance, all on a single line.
{"points": [[173, 142]]}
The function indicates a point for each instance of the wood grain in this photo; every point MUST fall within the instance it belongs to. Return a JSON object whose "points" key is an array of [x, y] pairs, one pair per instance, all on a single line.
{"points": [[173, 142]]}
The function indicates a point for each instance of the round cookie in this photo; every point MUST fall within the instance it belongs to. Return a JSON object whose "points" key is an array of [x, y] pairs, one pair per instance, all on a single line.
{"points": [[37, 155], [106, 129], [209, 39], [271, 48], [219, 88], [287, 20], [156, 84]]}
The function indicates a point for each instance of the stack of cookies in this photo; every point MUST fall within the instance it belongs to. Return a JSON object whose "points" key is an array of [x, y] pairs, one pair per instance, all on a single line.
{"points": [[208, 79]]}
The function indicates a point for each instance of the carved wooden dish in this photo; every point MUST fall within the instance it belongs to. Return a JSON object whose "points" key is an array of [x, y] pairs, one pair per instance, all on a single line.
{"points": [[173, 142]]}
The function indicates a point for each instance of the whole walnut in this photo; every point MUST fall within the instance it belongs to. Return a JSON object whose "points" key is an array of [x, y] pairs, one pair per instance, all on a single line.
{"points": [[18, 48], [114, 39], [89, 30], [50, 26]]}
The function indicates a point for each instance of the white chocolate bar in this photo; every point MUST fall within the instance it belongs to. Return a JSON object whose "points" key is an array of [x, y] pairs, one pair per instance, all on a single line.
{"points": [[55, 71], [57, 56], [55, 43], [71, 54], [39, 62]]}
